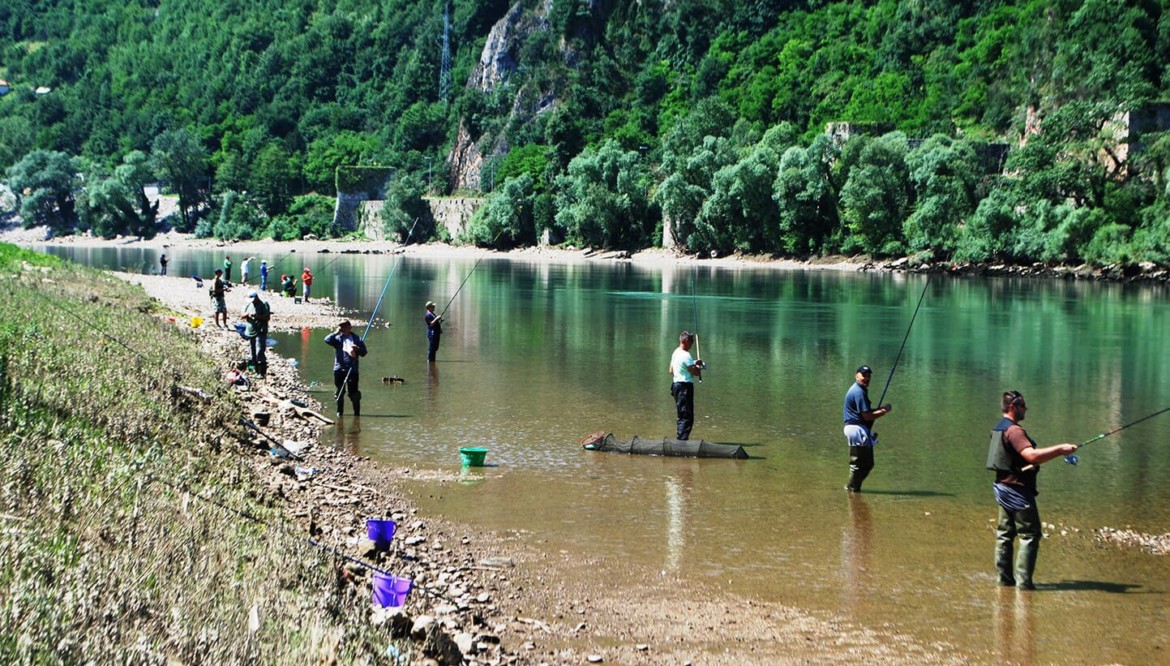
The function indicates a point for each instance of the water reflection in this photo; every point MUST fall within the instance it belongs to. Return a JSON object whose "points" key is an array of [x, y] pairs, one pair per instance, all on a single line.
{"points": [[1015, 631], [856, 552]]}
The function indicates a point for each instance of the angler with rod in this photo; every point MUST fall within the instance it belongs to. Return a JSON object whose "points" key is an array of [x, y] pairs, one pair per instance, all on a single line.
{"points": [[434, 322], [348, 348], [859, 414], [1072, 459], [1015, 457]]}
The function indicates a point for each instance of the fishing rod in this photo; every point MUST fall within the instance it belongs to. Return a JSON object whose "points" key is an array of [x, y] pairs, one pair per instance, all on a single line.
{"points": [[468, 277], [695, 304], [1072, 458], [904, 339], [374, 314], [280, 447]]}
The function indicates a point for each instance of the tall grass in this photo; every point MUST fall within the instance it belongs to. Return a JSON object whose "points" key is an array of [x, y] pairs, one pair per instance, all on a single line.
{"points": [[106, 555]]}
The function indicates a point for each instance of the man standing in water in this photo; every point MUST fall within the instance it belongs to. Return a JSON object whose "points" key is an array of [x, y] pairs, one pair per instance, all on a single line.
{"points": [[1012, 453], [684, 369], [227, 269], [859, 418], [162, 263], [347, 349], [434, 331]]}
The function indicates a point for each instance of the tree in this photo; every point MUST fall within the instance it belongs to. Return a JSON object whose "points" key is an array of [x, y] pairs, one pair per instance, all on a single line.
{"points": [[46, 184], [270, 182], [603, 200], [182, 161], [944, 173], [806, 200], [877, 197]]}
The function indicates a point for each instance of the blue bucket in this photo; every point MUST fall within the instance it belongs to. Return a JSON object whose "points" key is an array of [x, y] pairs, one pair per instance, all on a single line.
{"points": [[380, 532], [240, 328], [391, 591]]}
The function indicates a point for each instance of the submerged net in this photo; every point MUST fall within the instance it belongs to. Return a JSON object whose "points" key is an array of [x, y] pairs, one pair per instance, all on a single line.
{"points": [[603, 441]]}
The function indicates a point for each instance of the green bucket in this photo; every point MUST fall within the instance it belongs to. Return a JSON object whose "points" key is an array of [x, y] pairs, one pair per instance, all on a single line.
{"points": [[472, 456]]}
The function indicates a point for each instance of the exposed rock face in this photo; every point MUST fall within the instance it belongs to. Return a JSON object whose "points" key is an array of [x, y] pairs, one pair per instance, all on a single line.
{"points": [[499, 60], [453, 213]]}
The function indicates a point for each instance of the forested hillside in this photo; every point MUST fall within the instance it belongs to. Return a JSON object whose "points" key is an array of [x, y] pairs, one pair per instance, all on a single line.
{"points": [[984, 130]]}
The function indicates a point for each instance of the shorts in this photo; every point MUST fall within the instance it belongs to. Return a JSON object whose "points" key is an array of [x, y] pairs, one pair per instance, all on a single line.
{"points": [[219, 303]]}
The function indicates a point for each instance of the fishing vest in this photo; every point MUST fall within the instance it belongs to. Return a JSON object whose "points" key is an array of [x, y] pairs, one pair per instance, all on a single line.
{"points": [[998, 456]]}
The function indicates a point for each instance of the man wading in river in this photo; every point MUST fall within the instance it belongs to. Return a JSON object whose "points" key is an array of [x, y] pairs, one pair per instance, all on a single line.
{"points": [[683, 371], [1012, 453], [859, 418], [347, 349]]}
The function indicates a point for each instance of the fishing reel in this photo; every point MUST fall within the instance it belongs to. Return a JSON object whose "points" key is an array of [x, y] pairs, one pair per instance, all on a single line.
{"points": [[1072, 459]]}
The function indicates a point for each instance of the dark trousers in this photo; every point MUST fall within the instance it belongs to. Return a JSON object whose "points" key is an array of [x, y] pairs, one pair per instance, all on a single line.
{"points": [[860, 463], [684, 404], [432, 345], [351, 387]]}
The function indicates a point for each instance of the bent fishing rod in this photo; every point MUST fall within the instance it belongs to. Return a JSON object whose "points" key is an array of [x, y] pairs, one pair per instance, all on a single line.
{"points": [[1072, 458], [469, 273], [904, 339], [374, 314]]}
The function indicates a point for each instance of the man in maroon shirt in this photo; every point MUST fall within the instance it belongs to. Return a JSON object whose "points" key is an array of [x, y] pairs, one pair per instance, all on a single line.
{"points": [[1015, 458]]}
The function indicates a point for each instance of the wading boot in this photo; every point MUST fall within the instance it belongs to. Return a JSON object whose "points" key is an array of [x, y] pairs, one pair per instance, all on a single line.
{"points": [[341, 406], [357, 405]]}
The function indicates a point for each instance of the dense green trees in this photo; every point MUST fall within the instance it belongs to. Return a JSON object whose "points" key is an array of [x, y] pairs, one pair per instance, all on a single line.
{"points": [[616, 123]]}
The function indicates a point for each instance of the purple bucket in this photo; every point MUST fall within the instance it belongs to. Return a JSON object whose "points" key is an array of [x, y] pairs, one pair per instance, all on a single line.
{"points": [[391, 591], [380, 532]]}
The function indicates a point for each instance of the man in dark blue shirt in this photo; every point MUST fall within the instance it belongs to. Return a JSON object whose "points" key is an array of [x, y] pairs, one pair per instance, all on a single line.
{"points": [[348, 347], [859, 418]]}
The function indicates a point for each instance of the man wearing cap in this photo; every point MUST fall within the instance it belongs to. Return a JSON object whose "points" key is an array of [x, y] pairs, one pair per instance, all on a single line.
{"points": [[683, 370], [434, 330], [257, 313], [859, 418], [348, 347], [263, 275]]}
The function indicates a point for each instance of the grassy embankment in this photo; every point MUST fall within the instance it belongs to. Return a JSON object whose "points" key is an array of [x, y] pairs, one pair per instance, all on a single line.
{"points": [[106, 553]]}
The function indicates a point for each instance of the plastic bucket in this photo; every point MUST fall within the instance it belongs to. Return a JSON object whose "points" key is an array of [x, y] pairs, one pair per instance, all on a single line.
{"points": [[472, 456], [380, 532], [391, 591], [196, 322]]}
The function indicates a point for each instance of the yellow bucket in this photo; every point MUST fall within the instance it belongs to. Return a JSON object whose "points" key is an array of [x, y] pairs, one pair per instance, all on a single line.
{"points": [[196, 322]]}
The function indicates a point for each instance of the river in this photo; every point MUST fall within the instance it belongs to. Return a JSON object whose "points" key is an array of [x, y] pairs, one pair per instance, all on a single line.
{"points": [[535, 356]]}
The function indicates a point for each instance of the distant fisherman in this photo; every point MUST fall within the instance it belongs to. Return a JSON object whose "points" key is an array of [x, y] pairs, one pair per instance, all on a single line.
{"points": [[434, 330], [307, 282], [684, 369], [859, 418], [218, 303], [263, 275], [1012, 453]]}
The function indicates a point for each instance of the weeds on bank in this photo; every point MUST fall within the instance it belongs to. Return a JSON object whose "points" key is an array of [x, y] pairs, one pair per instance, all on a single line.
{"points": [[106, 555]]}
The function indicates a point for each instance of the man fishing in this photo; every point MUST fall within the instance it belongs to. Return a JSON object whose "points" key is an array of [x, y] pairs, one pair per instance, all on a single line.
{"points": [[227, 269], [1012, 453], [859, 434], [257, 313], [348, 347], [218, 303], [307, 282], [434, 330], [684, 369], [263, 275]]}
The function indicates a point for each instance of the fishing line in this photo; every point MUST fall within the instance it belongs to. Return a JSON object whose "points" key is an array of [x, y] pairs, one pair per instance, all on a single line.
{"points": [[374, 314], [904, 339], [695, 304], [88, 324], [468, 277], [1072, 458]]}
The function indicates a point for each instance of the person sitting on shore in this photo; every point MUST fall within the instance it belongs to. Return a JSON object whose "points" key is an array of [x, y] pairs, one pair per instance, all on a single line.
{"points": [[288, 285]]}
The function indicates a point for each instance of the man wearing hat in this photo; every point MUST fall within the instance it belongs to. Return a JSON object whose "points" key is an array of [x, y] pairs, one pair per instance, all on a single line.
{"points": [[256, 314], [263, 275], [348, 347], [434, 330], [859, 418]]}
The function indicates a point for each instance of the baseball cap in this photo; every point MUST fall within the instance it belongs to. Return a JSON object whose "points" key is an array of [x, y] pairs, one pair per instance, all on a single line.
{"points": [[252, 294], [865, 370], [430, 304]]}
